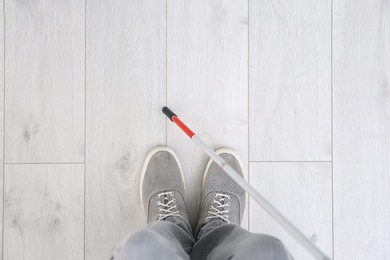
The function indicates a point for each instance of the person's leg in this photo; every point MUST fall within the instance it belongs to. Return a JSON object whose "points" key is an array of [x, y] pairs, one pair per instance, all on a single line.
{"points": [[168, 234], [218, 233], [233, 242], [159, 240]]}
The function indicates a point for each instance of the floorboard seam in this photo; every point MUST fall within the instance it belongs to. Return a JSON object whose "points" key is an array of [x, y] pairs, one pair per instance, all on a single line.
{"points": [[3, 236], [19, 163], [248, 107], [290, 161], [331, 113], [85, 119], [166, 68]]}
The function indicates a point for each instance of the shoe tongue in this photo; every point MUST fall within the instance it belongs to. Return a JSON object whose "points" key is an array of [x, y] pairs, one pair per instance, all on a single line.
{"points": [[217, 222]]}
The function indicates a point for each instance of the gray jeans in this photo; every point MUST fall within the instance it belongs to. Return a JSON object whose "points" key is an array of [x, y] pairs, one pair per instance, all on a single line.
{"points": [[170, 240]]}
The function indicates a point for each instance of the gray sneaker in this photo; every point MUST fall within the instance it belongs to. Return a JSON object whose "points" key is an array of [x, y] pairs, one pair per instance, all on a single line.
{"points": [[223, 201], [162, 186]]}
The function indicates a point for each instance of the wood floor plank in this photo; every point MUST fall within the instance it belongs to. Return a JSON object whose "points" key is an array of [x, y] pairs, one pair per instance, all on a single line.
{"points": [[1, 122], [207, 82], [361, 101], [126, 90], [44, 212], [44, 81], [290, 80], [300, 191]]}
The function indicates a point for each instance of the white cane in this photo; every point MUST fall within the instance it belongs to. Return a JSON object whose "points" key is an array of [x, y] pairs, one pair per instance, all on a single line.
{"points": [[285, 223]]}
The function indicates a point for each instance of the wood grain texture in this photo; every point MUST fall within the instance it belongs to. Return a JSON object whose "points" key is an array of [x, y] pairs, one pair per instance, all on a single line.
{"points": [[361, 101], [44, 81], [126, 79], [44, 212], [207, 82], [290, 80], [300, 191], [1, 122]]}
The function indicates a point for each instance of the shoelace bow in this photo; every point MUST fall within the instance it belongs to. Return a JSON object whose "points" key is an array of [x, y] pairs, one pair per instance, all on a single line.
{"points": [[169, 207], [219, 211]]}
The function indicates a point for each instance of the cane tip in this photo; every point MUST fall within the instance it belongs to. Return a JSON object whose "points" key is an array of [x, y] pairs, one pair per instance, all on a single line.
{"points": [[168, 113]]}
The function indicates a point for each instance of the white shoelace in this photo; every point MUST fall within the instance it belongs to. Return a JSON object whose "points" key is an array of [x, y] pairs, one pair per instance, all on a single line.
{"points": [[168, 206], [219, 210]]}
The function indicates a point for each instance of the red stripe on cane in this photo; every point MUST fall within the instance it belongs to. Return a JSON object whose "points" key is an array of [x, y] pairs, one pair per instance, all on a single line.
{"points": [[183, 127]]}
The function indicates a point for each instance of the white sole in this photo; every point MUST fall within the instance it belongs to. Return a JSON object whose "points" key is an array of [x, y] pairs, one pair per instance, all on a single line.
{"points": [[240, 162], [145, 166]]}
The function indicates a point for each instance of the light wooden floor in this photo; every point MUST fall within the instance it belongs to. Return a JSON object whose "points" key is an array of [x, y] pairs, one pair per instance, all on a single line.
{"points": [[301, 89]]}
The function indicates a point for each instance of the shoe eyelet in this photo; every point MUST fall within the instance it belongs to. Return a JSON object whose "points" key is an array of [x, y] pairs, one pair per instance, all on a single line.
{"points": [[215, 195], [227, 217], [171, 193], [158, 203], [228, 204], [159, 209], [158, 196], [174, 200], [176, 207], [211, 207]]}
